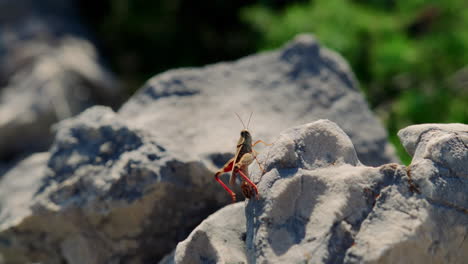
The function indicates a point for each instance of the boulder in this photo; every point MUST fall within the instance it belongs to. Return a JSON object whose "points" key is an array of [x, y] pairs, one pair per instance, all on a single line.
{"points": [[193, 110], [439, 169], [318, 204], [126, 187], [105, 193], [444, 144], [212, 247], [49, 70]]}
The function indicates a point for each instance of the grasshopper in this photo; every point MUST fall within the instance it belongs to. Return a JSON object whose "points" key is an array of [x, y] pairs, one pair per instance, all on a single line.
{"points": [[245, 154]]}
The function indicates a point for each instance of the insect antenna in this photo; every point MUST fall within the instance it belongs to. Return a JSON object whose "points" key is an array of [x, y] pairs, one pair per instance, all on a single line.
{"points": [[248, 123], [240, 119]]}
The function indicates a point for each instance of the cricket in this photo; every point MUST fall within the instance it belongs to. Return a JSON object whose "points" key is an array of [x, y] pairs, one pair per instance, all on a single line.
{"points": [[245, 155]]}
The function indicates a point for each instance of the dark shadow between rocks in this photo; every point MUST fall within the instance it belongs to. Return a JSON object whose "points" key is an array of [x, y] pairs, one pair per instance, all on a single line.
{"points": [[219, 159]]}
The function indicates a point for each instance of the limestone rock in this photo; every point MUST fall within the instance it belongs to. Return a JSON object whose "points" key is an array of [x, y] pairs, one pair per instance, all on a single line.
{"points": [[444, 144], [105, 193], [193, 109], [211, 247], [439, 169], [126, 187], [320, 205], [437, 210]]}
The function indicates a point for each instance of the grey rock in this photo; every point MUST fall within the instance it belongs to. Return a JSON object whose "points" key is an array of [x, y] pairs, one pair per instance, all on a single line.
{"points": [[192, 110], [435, 221], [127, 187], [18, 187], [204, 246], [105, 193], [439, 169], [411, 136], [444, 144], [49, 70], [320, 205]]}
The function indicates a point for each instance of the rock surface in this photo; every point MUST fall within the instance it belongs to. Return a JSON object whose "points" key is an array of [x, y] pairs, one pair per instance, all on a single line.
{"points": [[126, 187], [439, 169], [49, 70], [105, 193], [18, 186], [192, 110], [211, 247], [443, 144], [320, 205]]}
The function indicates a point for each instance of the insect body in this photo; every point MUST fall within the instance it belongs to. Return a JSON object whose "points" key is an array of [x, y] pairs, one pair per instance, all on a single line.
{"points": [[245, 154]]}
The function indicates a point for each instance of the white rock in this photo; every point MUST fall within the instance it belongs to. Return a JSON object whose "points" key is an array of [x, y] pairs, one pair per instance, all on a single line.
{"points": [[326, 207], [84, 205], [126, 187], [192, 110], [410, 136], [204, 246], [439, 169]]}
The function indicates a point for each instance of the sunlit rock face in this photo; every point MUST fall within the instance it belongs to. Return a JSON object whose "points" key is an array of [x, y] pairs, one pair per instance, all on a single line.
{"points": [[49, 70], [105, 192], [126, 187], [318, 204], [298, 84]]}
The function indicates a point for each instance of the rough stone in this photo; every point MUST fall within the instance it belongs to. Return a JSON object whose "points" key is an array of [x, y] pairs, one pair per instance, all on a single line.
{"points": [[105, 193], [439, 169], [320, 205], [193, 109], [210, 247], [444, 144], [49, 70], [18, 186], [126, 187]]}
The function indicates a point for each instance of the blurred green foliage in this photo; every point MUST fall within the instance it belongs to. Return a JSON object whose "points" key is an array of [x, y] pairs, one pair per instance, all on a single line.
{"points": [[406, 54], [410, 56]]}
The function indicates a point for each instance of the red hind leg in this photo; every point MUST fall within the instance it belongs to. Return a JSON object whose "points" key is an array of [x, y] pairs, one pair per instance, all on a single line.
{"points": [[227, 167]]}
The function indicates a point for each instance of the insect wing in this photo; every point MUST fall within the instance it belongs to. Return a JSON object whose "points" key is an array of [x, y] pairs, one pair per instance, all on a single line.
{"points": [[232, 179]]}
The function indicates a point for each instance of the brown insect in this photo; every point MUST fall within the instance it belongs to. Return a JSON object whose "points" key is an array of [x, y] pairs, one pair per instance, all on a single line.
{"points": [[245, 154]]}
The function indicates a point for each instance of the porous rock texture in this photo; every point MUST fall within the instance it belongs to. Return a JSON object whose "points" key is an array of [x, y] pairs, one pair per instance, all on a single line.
{"points": [[320, 205], [227, 246], [298, 84], [49, 70], [105, 193], [126, 187]]}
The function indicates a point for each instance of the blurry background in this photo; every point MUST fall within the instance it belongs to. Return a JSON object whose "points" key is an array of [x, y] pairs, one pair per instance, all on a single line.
{"points": [[410, 56]]}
